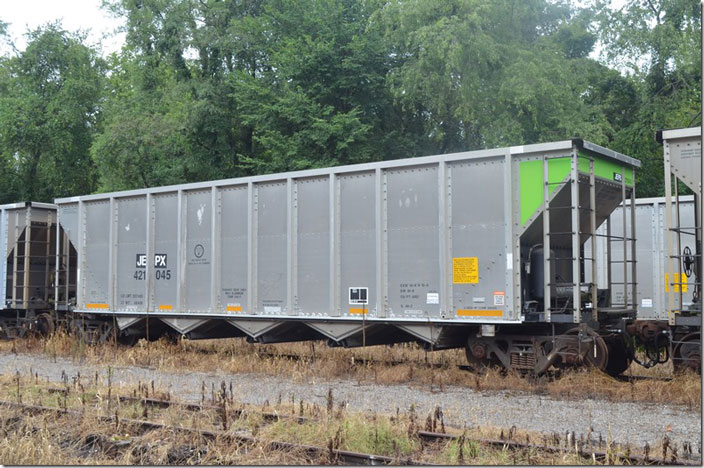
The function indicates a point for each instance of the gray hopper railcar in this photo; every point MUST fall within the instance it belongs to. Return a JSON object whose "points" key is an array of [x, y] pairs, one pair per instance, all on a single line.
{"points": [[27, 274], [481, 249], [655, 282], [682, 157], [651, 257]]}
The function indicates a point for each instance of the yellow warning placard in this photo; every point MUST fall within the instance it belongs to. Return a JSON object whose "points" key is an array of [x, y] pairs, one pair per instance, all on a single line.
{"points": [[677, 281], [465, 270]]}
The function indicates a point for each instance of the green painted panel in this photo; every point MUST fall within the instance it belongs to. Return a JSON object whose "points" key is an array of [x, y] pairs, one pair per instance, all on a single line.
{"points": [[558, 169], [531, 175], [605, 169], [583, 164]]}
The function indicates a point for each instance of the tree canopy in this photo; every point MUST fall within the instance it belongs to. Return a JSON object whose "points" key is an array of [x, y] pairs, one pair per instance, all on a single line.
{"points": [[49, 114], [207, 89]]}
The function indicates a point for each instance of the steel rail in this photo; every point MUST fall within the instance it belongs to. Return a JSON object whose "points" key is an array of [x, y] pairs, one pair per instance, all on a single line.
{"points": [[312, 451], [590, 454], [429, 436]]}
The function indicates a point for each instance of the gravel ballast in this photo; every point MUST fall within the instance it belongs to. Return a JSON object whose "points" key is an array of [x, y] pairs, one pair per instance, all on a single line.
{"points": [[624, 422]]}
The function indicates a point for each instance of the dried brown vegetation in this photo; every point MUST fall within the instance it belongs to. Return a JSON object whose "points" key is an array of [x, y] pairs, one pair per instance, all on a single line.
{"points": [[77, 435], [401, 364]]}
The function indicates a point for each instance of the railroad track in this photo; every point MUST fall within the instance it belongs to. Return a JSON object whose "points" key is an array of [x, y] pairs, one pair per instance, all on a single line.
{"points": [[312, 452], [586, 451], [583, 450]]}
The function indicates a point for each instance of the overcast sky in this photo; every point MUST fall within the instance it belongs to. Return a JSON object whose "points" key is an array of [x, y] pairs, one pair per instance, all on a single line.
{"points": [[74, 14]]}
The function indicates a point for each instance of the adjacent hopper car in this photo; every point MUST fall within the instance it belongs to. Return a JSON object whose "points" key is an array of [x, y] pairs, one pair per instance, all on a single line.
{"points": [[27, 243], [515, 254], [655, 283]]}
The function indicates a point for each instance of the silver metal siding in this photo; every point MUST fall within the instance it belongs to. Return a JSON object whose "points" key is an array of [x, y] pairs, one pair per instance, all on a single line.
{"points": [[130, 244], [166, 243], [199, 252], [312, 266], [478, 230], [413, 241], [358, 262], [94, 253], [234, 240], [272, 248]]}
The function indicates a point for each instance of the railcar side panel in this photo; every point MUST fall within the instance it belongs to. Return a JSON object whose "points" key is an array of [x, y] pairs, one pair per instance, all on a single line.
{"points": [[357, 263], [234, 225], [478, 228], [131, 268], [198, 242], [412, 242], [271, 250], [94, 256], [167, 271], [311, 266]]}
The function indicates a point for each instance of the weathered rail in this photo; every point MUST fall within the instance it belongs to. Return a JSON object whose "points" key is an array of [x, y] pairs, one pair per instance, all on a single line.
{"points": [[315, 453], [588, 452]]}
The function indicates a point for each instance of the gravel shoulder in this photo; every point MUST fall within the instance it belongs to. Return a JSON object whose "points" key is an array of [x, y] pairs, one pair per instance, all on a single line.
{"points": [[624, 422]]}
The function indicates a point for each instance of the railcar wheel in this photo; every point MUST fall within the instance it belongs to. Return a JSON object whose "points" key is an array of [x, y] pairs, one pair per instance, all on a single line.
{"points": [[619, 357], [688, 353], [477, 355], [127, 339], [45, 324], [598, 354]]}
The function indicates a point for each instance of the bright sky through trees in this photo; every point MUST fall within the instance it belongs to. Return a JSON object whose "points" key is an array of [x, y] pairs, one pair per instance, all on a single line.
{"points": [[73, 14]]}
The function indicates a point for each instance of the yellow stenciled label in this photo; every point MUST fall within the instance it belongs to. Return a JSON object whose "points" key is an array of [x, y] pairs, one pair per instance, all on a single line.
{"points": [[677, 281], [465, 270], [680, 281], [479, 313], [97, 306], [166, 307], [234, 308], [358, 311]]}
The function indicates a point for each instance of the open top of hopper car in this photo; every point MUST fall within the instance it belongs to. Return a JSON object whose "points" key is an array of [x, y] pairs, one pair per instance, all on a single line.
{"points": [[411, 247]]}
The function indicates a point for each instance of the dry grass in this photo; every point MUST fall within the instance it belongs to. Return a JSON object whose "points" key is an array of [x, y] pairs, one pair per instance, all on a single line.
{"points": [[84, 439], [52, 440], [401, 364]]}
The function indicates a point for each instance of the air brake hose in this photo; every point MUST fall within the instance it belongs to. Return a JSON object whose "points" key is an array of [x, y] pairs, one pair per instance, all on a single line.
{"points": [[653, 352]]}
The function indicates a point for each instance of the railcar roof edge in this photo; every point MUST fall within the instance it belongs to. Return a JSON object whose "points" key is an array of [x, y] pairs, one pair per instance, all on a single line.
{"points": [[674, 133], [352, 168], [15, 206]]}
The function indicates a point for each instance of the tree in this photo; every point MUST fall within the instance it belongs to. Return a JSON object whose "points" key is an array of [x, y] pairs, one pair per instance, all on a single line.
{"points": [[223, 88], [143, 141], [243, 87], [48, 114], [485, 74], [658, 44]]}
